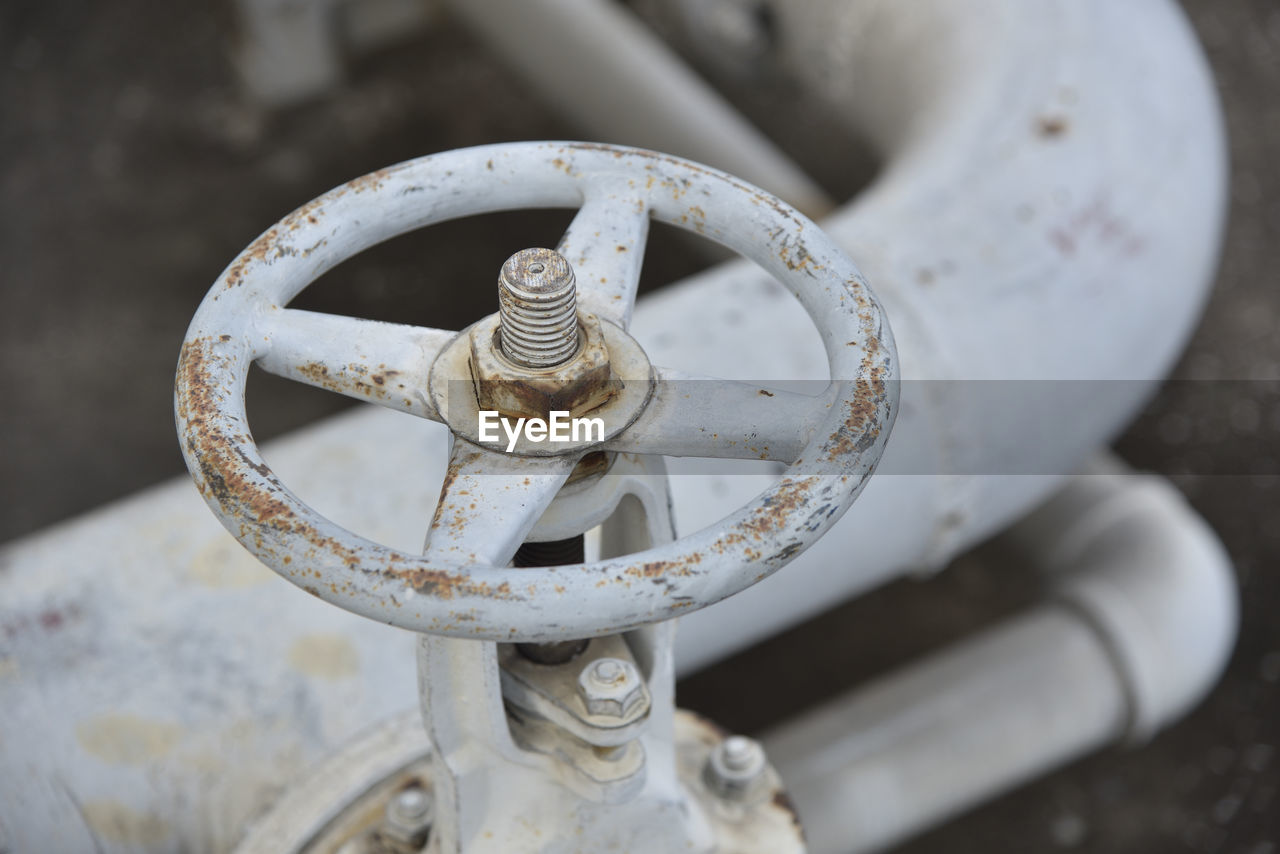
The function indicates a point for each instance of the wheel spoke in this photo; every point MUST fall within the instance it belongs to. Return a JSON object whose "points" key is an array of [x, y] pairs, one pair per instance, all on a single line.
{"points": [[383, 363], [489, 503], [605, 244], [698, 416]]}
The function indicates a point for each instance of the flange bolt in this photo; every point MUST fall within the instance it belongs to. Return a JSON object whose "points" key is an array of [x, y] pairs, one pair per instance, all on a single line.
{"points": [[408, 818], [734, 766]]}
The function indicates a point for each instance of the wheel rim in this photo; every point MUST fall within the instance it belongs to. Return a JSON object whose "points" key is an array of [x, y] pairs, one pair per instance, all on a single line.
{"points": [[462, 597]]}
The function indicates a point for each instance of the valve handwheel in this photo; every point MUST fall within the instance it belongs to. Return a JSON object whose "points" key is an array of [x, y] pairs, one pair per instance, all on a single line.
{"points": [[461, 586]]}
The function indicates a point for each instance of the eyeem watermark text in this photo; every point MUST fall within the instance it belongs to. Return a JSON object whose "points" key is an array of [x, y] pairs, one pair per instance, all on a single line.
{"points": [[559, 427]]}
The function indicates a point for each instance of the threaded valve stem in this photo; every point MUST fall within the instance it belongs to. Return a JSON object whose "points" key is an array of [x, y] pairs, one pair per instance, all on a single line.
{"points": [[538, 307]]}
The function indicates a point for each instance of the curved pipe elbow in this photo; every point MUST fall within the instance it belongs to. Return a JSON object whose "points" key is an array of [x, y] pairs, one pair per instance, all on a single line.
{"points": [[1151, 577], [1142, 623], [1039, 267]]}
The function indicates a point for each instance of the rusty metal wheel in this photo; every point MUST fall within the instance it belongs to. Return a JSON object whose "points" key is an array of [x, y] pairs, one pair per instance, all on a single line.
{"points": [[461, 586]]}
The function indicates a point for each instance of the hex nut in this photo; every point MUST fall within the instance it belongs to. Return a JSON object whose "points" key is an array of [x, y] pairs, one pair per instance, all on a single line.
{"points": [[612, 687], [581, 384]]}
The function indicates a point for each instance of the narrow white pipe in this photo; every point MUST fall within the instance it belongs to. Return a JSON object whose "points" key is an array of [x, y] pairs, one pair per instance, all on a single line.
{"points": [[1152, 578], [600, 66], [913, 749], [1141, 627]]}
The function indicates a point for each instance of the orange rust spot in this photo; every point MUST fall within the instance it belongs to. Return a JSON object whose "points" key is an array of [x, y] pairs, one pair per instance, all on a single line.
{"points": [[224, 462], [258, 251], [317, 373], [664, 568], [1052, 127], [310, 212], [860, 429], [757, 197], [372, 181], [446, 487], [563, 165], [787, 498], [796, 256], [447, 585]]}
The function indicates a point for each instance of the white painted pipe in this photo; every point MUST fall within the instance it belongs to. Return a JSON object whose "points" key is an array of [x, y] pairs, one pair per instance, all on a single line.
{"points": [[601, 67], [1152, 578], [1038, 259], [1050, 210], [1142, 624]]}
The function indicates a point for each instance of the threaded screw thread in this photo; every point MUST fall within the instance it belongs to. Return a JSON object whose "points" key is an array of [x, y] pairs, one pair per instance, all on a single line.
{"points": [[538, 309]]}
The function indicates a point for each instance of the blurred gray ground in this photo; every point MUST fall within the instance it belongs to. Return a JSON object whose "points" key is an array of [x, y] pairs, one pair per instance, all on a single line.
{"points": [[131, 172]]}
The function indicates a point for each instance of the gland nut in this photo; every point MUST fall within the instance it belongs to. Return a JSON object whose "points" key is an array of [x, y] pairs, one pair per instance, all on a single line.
{"points": [[581, 384]]}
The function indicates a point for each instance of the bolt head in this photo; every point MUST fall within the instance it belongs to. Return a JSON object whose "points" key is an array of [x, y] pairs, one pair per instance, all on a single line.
{"points": [[409, 815], [578, 386], [606, 672], [612, 687], [734, 766]]}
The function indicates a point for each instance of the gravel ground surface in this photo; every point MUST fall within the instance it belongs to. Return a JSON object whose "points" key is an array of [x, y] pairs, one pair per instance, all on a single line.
{"points": [[132, 171]]}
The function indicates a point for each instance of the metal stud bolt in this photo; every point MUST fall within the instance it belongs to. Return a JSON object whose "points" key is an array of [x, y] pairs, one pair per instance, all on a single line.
{"points": [[734, 765], [408, 817], [538, 309]]}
